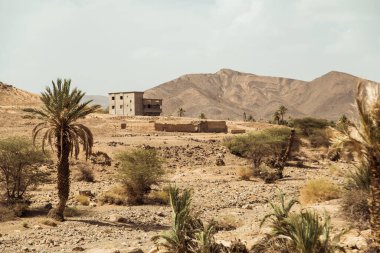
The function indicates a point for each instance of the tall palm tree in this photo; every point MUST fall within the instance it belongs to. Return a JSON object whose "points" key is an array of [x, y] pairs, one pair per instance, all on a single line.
{"points": [[61, 108], [282, 110], [364, 138]]}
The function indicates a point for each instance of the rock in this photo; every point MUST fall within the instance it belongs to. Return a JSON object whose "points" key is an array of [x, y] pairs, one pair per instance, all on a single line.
{"points": [[78, 249], [154, 250], [134, 250], [117, 218], [355, 242], [38, 227], [220, 162], [87, 193]]}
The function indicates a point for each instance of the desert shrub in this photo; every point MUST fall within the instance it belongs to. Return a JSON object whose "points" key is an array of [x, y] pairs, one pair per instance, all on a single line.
{"points": [[11, 210], [280, 210], [84, 173], [308, 125], [319, 138], [359, 178], [19, 167], [116, 195], [140, 170], [160, 196], [269, 144], [307, 232], [355, 197], [245, 173], [318, 190], [189, 234], [84, 200], [355, 207]]}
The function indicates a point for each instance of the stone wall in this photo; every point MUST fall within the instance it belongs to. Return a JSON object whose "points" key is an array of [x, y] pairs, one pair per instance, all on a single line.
{"points": [[193, 127]]}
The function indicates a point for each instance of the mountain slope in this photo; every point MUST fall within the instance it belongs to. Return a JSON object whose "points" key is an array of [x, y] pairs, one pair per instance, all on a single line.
{"points": [[228, 94]]}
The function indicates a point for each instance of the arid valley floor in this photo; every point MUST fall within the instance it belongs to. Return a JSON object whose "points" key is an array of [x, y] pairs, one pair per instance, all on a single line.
{"points": [[190, 161]]}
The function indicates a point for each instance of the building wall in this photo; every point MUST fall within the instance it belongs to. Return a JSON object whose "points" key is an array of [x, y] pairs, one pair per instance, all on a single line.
{"points": [[129, 104]]}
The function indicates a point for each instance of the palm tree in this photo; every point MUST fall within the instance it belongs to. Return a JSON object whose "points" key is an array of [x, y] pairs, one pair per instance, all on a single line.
{"points": [[60, 110], [181, 112], [276, 117], [282, 110], [364, 138]]}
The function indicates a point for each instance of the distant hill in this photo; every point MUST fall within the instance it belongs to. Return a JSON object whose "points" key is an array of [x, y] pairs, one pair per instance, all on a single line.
{"points": [[12, 96], [97, 99], [227, 94]]}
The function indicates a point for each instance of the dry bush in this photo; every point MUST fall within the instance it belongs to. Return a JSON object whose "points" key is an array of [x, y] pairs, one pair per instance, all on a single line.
{"points": [[73, 212], [355, 207], [319, 138], [318, 190], [49, 223], [140, 170], [20, 167], [245, 173], [116, 195], [84, 200], [160, 196], [84, 173]]}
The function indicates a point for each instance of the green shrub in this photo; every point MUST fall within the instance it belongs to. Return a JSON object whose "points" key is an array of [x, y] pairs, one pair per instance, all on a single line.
{"points": [[359, 178], [19, 167], [308, 125], [269, 144], [140, 169], [307, 232]]}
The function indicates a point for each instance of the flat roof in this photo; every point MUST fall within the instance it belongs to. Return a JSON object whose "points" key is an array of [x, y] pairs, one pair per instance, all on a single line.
{"points": [[124, 92]]}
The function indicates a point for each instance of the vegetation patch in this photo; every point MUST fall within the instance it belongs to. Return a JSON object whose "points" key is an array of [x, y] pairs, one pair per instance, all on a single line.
{"points": [[318, 190]]}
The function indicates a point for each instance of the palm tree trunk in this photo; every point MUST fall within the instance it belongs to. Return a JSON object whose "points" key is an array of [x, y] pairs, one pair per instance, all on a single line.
{"points": [[374, 201], [63, 179]]}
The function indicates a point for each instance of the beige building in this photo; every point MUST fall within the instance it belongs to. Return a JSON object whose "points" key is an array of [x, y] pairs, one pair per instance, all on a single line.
{"points": [[133, 103]]}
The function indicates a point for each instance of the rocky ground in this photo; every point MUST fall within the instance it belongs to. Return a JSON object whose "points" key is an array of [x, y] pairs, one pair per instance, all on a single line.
{"points": [[192, 161]]}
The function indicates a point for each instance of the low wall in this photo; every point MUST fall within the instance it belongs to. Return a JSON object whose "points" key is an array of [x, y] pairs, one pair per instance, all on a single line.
{"points": [[194, 127]]}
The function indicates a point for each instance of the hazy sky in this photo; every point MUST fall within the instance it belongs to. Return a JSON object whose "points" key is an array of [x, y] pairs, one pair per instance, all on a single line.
{"points": [[117, 45]]}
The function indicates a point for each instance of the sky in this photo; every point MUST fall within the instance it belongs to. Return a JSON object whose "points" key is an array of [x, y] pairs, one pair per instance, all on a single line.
{"points": [[122, 45]]}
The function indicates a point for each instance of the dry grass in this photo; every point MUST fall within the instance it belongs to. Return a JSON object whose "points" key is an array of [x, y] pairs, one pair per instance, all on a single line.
{"points": [[245, 173], [160, 196], [115, 195], [318, 190], [84, 200]]}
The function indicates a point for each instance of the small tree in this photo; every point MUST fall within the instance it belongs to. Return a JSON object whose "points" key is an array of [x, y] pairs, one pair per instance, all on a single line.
{"points": [[202, 116], [309, 124], [140, 169], [181, 112], [19, 167]]}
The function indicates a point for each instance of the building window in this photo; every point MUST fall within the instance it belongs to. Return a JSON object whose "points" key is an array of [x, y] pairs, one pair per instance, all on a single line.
{"points": [[113, 98], [121, 107], [130, 101], [121, 97], [113, 107], [130, 109]]}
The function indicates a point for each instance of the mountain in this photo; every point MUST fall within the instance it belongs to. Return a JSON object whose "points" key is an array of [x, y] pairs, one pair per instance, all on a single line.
{"points": [[12, 96], [227, 94], [97, 99]]}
